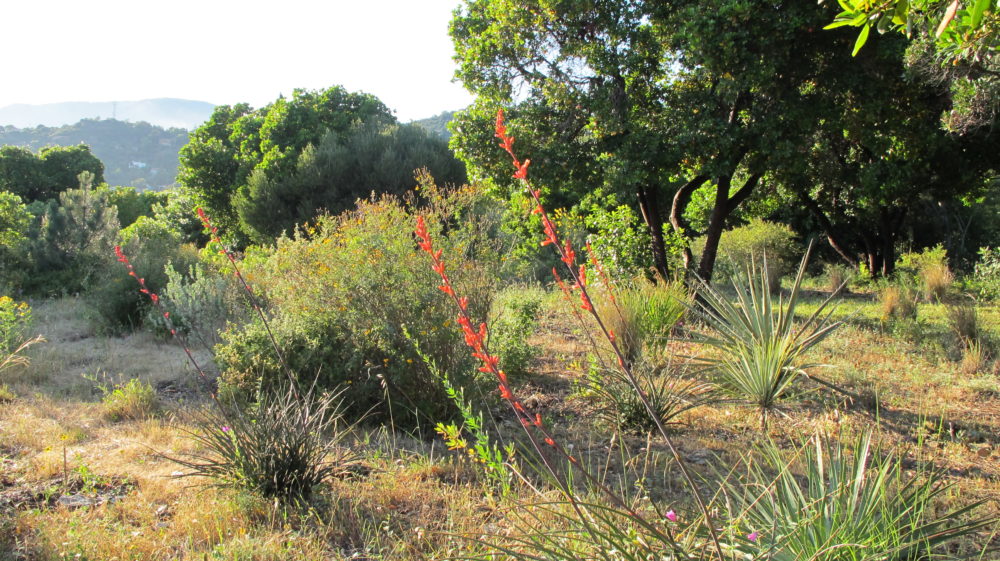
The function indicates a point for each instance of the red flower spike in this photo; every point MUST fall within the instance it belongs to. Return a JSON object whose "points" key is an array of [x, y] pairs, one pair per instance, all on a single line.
{"points": [[505, 393], [538, 210], [538, 420], [550, 442], [569, 256], [585, 302], [522, 170], [446, 289], [166, 315], [463, 303], [501, 129], [154, 298]]}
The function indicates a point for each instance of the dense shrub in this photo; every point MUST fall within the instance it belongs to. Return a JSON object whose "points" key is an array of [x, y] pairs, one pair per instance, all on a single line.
{"points": [[514, 318], [986, 277], [201, 304], [73, 241], [114, 299], [341, 290], [15, 318], [755, 241]]}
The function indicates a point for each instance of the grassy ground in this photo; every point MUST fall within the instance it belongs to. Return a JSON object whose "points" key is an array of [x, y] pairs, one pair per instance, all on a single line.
{"points": [[410, 498]]}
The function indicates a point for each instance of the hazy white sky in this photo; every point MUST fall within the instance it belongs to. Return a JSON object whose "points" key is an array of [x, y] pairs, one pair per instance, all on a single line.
{"points": [[226, 51]]}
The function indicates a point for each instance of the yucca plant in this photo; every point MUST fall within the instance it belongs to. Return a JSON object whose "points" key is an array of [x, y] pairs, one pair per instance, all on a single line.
{"points": [[760, 347], [281, 447], [642, 315], [829, 504], [669, 390]]}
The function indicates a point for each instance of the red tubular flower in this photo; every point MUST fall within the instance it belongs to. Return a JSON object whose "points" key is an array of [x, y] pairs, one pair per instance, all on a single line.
{"points": [[522, 170], [569, 256]]}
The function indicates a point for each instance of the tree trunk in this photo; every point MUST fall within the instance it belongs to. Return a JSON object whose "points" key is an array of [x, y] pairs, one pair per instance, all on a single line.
{"points": [[714, 231], [724, 206], [651, 216], [833, 236], [681, 200]]}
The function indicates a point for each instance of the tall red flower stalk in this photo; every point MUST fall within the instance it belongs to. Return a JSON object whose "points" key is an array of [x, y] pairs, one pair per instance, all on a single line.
{"points": [[476, 339], [155, 299], [579, 275], [213, 231]]}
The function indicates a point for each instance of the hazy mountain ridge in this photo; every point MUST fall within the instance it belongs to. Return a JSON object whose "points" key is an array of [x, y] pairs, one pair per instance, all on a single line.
{"points": [[162, 112], [137, 154]]}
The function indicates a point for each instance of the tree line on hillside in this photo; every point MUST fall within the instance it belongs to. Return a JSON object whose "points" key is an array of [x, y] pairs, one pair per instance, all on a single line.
{"points": [[141, 155]]}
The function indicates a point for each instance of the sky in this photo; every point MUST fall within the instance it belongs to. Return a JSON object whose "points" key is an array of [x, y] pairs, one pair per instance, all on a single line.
{"points": [[226, 52]]}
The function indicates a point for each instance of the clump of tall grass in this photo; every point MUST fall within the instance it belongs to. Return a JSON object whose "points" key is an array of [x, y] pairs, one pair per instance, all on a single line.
{"points": [[760, 349], [642, 315], [897, 303], [832, 504], [838, 277], [964, 322], [131, 400]]}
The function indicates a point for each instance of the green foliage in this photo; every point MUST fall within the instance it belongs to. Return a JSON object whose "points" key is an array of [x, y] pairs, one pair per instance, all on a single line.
{"points": [[954, 42], [761, 350], [74, 241], [45, 175], [201, 304], [282, 448], [131, 204], [15, 319], [757, 241], [237, 141], [133, 153], [115, 298], [14, 218], [986, 277], [340, 169], [619, 239], [339, 292], [514, 319], [178, 209], [830, 504]]}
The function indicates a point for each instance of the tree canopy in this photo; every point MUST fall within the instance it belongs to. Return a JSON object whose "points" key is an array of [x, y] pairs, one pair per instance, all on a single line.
{"points": [[42, 176], [667, 102], [238, 141]]}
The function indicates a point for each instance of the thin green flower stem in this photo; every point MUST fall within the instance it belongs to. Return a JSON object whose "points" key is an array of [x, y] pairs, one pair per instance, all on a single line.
{"points": [[253, 300]]}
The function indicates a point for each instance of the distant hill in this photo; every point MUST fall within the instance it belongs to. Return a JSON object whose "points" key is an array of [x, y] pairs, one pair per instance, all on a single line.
{"points": [[438, 124], [137, 154], [163, 112]]}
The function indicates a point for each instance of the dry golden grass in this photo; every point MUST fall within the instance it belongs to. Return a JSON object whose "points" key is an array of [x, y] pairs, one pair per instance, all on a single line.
{"points": [[412, 498]]}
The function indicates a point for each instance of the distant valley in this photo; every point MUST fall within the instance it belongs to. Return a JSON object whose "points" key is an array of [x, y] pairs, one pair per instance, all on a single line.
{"points": [[162, 112]]}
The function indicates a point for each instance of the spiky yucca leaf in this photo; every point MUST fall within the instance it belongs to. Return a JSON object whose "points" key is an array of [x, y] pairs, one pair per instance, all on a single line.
{"points": [[828, 504], [760, 347]]}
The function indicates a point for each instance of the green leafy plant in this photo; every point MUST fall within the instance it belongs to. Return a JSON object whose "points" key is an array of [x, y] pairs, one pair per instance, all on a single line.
{"points": [[201, 303], [281, 447], [760, 348], [831, 504], [986, 276], [516, 316], [15, 319], [131, 400]]}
